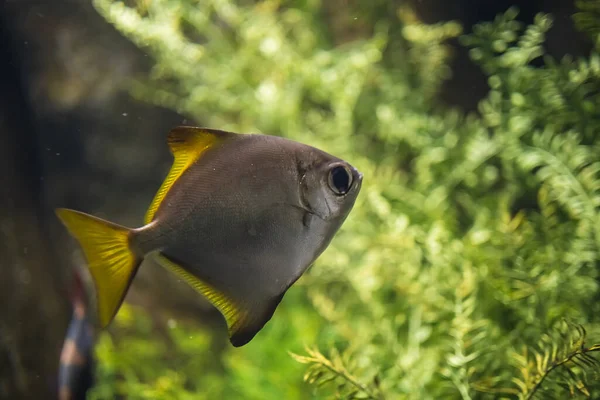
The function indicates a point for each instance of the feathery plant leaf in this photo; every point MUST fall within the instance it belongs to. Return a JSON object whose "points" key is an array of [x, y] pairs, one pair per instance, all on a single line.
{"points": [[562, 353], [571, 174], [588, 19], [473, 236], [333, 371]]}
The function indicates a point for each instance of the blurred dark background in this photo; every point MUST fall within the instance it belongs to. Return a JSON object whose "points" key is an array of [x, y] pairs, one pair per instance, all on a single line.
{"points": [[63, 71]]}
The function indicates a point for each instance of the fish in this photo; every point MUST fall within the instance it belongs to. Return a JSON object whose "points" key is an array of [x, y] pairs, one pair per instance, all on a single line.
{"points": [[239, 217], [77, 364]]}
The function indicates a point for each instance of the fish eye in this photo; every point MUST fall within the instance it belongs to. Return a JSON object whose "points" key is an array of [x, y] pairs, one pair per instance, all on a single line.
{"points": [[340, 180]]}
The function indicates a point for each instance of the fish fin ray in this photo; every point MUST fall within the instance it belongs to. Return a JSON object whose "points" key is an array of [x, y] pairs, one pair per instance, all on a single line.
{"points": [[111, 261], [234, 315], [255, 321], [261, 314], [187, 144]]}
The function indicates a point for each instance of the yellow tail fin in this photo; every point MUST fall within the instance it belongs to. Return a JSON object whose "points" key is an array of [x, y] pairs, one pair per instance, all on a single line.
{"points": [[111, 261]]}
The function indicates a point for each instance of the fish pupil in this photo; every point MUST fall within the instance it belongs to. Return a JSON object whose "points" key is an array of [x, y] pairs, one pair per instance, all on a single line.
{"points": [[340, 180]]}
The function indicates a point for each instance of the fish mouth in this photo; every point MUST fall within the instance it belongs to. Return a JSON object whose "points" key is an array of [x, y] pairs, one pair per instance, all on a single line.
{"points": [[357, 176]]}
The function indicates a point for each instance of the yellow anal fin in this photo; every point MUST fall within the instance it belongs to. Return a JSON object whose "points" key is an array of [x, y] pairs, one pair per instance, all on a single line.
{"points": [[111, 261], [187, 145], [235, 316]]}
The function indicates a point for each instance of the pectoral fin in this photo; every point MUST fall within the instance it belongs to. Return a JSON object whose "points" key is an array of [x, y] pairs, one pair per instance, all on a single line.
{"points": [[187, 144]]}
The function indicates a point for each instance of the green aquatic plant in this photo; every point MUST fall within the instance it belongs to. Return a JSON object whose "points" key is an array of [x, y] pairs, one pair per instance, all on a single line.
{"points": [[468, 267]]}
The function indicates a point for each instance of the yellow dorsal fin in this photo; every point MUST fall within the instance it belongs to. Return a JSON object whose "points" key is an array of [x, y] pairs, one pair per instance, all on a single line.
{"points": [[235, 316], [187, 144]]}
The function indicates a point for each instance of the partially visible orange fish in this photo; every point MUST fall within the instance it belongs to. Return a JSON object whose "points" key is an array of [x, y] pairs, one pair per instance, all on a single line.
{"points": [[240, 217]]}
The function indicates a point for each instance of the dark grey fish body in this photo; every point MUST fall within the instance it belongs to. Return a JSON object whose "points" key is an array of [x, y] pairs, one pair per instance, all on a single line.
{"points": [[245, 219]]}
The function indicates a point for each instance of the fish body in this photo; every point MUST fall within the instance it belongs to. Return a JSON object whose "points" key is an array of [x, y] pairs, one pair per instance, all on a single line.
{"points": [[240, 217], [76, 367]]}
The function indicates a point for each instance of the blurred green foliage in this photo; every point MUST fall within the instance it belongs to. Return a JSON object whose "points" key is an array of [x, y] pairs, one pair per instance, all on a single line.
{"points": [[471, 256]]}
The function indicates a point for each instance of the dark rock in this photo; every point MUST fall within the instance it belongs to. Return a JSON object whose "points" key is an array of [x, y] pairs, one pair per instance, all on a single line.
{"points": [[97, 149], [34, 308]]}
